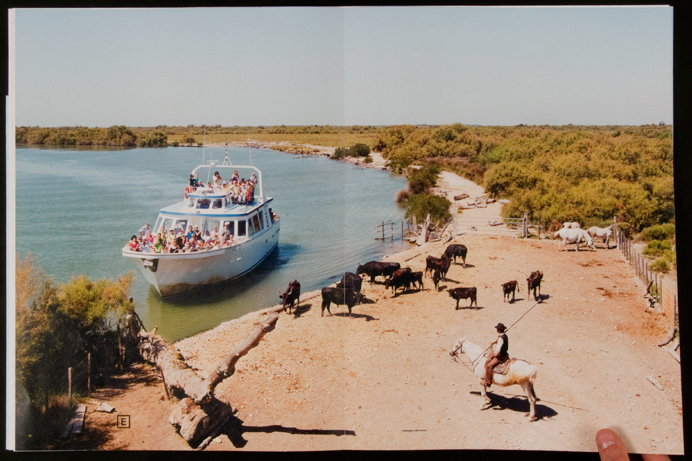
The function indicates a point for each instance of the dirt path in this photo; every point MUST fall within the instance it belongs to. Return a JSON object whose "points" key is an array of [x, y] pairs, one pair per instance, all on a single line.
{"points": [[384, 379]]}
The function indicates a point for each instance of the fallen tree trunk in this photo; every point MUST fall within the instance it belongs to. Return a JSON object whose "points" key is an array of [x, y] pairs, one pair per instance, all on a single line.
{"points": [[178, 374], [200, 415], [227, 367]]}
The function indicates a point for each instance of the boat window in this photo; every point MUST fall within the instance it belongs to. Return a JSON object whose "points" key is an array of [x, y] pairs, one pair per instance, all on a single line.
{"points": [[217, 203], [157, 226], [168, 224], [209, 227], [241, 228], [261, 219], [191, 203], [197, 221], [180, 224], [250, 228], [255, 221], [203, 203]]}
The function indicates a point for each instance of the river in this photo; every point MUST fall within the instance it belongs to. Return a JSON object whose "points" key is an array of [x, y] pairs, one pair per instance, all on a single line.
{"points": [[76, 209]]}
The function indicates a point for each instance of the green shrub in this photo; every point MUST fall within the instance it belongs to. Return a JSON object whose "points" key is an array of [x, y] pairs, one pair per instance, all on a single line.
{"points": [[423, 179], [660, 265], [420, 205], [670, 256], [367, 159], [659, 232], [359, 150], [340, 152], [403, 195], [657, 247]]}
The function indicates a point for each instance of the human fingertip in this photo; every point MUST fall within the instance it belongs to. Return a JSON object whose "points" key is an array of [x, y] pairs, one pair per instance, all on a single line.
{"points": [[605, 438]]}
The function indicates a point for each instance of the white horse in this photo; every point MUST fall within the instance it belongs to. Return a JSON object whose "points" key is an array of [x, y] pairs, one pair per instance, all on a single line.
{"points": [[520, 372], [602, 233], [571, 225], [567, 235]]}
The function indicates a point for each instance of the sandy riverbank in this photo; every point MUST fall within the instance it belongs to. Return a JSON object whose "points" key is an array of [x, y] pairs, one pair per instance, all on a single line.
{"points": [[384, 380]]}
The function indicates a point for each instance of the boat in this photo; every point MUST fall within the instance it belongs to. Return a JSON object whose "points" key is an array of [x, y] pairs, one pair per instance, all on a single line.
{"points": [[253, 224]]}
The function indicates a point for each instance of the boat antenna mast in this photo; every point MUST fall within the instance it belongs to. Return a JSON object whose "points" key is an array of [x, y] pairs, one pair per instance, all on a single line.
{"points": [[225, 160]]}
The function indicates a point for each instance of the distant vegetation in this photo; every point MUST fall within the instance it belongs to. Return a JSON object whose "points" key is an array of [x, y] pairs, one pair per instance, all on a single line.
{"points": [[82, 136], [567, 173], [356, 150], [564, 173]]}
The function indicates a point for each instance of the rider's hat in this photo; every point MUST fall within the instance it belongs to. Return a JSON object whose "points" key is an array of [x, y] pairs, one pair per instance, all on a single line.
{"points": [[500, 327]]}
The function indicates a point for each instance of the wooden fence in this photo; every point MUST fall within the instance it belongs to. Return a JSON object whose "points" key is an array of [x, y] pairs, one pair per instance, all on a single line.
{"points": [[664, 292]]}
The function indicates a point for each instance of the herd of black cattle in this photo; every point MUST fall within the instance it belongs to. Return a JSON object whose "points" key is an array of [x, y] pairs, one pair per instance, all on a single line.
{"points": [[348, 290]]}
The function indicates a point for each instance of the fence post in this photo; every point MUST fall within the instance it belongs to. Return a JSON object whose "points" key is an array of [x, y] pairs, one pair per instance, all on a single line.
{"points": [[89, 374], [539, 229], [383, 231], [615, 228], [69, 384], [524, 226]]}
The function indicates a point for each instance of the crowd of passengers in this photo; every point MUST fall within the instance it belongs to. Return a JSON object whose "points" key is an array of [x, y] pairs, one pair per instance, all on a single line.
{"points": [[242, 190], [167, 241]]}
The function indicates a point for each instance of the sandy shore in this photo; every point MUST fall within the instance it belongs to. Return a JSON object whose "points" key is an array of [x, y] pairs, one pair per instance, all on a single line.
{"points": [[384, 379]]}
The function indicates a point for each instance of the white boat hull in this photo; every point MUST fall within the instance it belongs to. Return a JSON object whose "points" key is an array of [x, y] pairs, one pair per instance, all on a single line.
{"points": [[173, 273]]}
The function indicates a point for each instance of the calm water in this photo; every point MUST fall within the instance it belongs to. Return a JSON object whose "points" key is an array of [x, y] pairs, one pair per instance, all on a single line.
{"points": [[76, 209]]}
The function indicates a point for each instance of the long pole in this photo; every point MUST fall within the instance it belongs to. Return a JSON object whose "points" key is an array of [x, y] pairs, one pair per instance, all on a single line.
{"points": [[69, 384], [89, 374]]}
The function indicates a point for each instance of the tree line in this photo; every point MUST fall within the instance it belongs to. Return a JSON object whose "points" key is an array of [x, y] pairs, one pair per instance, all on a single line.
{"points": [[587, 174], [115, 136]]}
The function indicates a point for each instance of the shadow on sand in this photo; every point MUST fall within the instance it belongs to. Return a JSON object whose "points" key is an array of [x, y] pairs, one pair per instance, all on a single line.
{"points": [[235, 429], [518, 403]]}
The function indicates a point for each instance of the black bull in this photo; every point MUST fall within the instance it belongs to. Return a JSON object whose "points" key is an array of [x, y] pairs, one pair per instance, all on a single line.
{"points": [[339, 296], [375, 268], [291, 295]]}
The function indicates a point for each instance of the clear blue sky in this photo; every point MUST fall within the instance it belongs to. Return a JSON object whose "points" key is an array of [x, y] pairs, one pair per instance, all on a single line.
{"points": [[344, 66]]}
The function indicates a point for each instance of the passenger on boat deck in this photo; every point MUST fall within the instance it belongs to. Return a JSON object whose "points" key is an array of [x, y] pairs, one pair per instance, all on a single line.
{"points": [[134, 244], [209, 186], [235, 175], [180, 241], [227, 231], [201, 245], [170, 238], [253, 178], [214, 235], [197, 180], [193, 181], [145, 247], [144, 229], [189, 233], [217, 179], [186, 248], [228, 241], [193, 243], [158, 244], [198, 234], [149, 237]]}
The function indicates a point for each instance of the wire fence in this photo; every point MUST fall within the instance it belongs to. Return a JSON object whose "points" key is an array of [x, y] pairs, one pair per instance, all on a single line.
{"points": [[665, 294], [74, 382]]}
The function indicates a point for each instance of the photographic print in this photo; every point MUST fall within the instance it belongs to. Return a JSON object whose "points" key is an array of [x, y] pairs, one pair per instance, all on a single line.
{"points": [[367, 228]]}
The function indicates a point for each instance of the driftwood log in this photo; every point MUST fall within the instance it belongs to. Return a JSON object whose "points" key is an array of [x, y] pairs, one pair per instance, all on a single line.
{"points": [[200, 415]]}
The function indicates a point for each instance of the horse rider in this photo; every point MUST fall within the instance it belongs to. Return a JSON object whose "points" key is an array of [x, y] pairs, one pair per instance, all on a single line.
{"points": [[498, 353]]}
